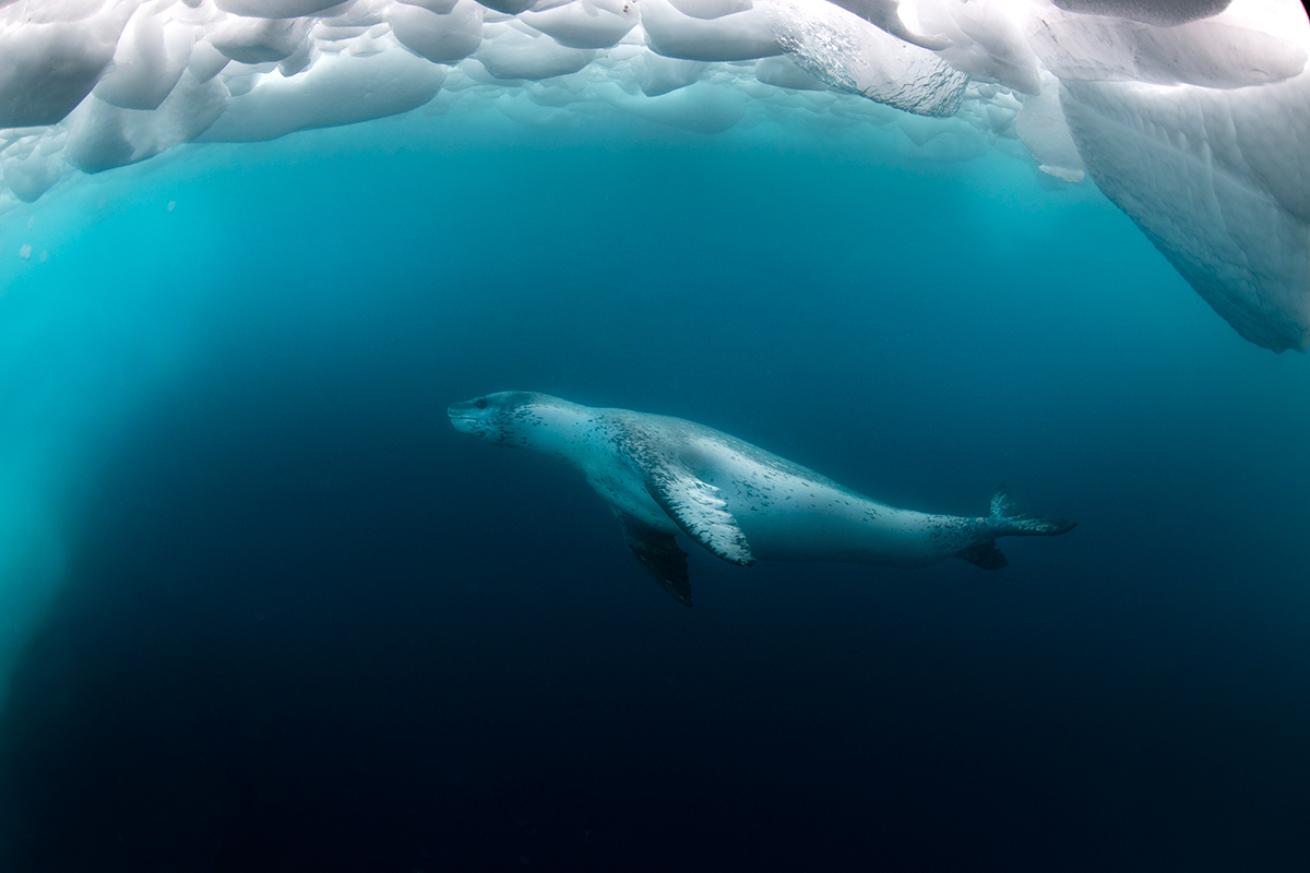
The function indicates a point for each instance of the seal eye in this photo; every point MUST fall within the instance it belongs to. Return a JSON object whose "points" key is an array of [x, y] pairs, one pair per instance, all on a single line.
{"points": [[481, 403]]}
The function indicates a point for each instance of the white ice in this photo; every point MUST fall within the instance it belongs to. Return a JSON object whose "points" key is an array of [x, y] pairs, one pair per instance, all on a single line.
{"points": [[1193, 116]]}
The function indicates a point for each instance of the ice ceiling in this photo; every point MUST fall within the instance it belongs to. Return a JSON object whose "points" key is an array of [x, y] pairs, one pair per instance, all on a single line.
{"points": [[1193, 116]]}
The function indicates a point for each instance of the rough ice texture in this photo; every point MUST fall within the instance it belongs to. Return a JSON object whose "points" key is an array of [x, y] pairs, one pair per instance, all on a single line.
{"points": [[853, 56], [1163, 12], [1199, 176], [1193, 116]]}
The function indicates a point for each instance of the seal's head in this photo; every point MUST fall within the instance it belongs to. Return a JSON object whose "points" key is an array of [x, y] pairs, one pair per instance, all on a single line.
{"points": [[505, 417]]}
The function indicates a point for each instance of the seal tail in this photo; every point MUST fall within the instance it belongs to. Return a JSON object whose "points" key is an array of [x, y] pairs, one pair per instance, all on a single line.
{"points": [[1005, 520]]}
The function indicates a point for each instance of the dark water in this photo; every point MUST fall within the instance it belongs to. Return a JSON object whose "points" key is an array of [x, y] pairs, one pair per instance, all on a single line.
{"points": [[303, 625]]}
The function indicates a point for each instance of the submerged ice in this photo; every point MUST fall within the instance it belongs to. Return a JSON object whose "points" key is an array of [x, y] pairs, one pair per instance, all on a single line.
{"points": [[1190, 115]]}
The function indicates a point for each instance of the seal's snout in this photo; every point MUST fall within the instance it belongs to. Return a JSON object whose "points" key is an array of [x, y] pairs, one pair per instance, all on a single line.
{"points": [[467, 416], [461, 418], [466, 408], [487, 415]]}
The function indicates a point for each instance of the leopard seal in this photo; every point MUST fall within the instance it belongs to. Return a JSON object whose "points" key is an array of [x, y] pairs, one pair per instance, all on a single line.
{"points": [[663, 476]]}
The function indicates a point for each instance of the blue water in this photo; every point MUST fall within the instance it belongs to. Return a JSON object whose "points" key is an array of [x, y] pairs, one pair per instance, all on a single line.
{"points": [[276, 615]]}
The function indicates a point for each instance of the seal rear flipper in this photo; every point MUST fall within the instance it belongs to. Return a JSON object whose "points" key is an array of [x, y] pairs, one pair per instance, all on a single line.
{"points": [[697, 508], [658, 552], [1007, 521]]}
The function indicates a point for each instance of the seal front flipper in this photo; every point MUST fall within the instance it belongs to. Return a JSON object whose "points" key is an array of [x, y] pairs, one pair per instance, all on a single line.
{"points": [[699, 510], [658, 552]]}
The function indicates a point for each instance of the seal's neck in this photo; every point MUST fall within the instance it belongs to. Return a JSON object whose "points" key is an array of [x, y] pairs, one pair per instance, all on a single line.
{"points": [[558, 429]]}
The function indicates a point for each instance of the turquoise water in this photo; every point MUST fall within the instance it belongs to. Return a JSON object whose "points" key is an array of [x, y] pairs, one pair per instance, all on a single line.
{"points": [[264, 610]]}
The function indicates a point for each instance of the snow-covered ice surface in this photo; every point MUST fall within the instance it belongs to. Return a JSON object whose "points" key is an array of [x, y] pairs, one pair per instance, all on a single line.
{"points": [[1193, 116]]}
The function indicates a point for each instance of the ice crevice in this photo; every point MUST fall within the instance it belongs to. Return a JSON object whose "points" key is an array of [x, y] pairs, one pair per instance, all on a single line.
{"points": [[1193, 116]]}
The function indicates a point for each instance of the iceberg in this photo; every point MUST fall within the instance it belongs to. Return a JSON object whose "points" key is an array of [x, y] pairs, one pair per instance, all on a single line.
{"points": [[1190, 115]]}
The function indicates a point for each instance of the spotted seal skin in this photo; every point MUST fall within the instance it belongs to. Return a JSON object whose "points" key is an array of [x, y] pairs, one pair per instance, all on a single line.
{"points": [[666, 476]]}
